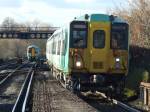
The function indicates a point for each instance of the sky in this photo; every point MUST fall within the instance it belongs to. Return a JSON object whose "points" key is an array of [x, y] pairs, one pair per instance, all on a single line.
{"points": [[54, 12]]}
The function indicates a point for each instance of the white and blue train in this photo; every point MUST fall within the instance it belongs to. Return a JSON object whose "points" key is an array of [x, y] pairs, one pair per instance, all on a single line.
{"points": [[33, 53]]}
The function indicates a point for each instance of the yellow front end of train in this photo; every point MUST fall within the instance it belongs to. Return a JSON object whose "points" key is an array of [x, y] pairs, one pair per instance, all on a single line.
{"points": [[98, 57], [90, 53], [98, 53]]}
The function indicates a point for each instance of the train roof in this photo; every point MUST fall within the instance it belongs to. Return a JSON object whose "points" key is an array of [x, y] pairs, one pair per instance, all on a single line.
{"points": [[100, 17], [30, 46], [94, 18]]}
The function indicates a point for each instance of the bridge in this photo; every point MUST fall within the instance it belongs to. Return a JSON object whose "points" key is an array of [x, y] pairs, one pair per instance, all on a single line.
{"points": [[26, 32]]}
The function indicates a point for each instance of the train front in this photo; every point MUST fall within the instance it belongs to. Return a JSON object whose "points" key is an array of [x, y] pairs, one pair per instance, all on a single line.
{"points": [[98, 54], [33, 53]]}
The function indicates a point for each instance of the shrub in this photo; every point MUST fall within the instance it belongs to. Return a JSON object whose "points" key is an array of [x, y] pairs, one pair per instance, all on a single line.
{"points": [[135, 76], [145, 75]]}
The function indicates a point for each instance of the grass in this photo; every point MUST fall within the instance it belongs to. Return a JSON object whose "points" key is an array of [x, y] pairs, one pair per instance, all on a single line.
{"points": [[129, 92]]}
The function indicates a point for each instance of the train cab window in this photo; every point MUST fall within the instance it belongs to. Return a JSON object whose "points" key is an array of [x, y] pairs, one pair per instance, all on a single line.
{"points": [[99, 39], [78, 34], [30, 50], [117, 40], [79, 38], [119, 36]]}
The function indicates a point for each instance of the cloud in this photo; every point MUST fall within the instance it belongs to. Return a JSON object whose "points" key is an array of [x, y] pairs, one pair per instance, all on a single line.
{"points": [[49, 13], [56, 12], [42, 11], [10, 3], [79, 1]]}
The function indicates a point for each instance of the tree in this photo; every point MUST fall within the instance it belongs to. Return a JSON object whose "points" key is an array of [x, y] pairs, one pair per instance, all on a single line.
{"points": [[138, 16], [9, 24]]}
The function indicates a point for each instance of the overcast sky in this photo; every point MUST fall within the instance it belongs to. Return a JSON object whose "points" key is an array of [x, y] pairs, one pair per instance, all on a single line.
{"points": [[56, 12]]}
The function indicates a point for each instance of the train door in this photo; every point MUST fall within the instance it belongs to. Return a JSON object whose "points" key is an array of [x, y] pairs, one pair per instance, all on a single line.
{"points": [[33, 52], [99, 39]]}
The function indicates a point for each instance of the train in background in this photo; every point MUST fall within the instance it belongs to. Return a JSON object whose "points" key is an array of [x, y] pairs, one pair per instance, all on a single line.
{"points": [[90, 53], [33, 53]]}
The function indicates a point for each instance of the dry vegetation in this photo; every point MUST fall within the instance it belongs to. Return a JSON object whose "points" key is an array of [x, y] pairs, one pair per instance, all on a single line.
{"points": [[137, 13], [10, 48]]}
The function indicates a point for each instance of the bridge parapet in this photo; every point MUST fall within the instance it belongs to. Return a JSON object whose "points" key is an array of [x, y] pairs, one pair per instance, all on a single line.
{"points": [[26, 32]]}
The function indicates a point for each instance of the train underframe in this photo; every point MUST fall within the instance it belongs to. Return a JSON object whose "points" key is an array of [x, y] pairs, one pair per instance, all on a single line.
{"points": [[32, 59], [111, 84]]}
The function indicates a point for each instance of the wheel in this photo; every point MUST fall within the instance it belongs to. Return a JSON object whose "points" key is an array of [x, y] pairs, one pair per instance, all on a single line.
{"points": [[119, 90], [110, 92], [74, 86]]}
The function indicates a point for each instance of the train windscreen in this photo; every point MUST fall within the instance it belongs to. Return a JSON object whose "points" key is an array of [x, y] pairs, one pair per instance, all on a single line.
{"points": [[30, 50], [119, 36], [78, 34]]}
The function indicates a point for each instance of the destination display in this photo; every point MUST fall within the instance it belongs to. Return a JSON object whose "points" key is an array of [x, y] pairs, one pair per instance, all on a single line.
{"points": [[79, 26], [119, 26]]}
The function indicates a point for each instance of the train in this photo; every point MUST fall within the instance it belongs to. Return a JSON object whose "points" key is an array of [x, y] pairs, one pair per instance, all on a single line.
{"points": [[33, 53], [90, 53]]}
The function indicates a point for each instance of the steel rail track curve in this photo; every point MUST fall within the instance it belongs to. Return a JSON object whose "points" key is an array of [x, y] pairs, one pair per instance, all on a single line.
{"points": [[122, 105], [10, 74], [21, 102]]}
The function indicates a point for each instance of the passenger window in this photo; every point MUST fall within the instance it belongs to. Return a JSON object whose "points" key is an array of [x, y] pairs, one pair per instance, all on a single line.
{"points": [[54, 47], [99, 39], [63, 47], [58, 48]]}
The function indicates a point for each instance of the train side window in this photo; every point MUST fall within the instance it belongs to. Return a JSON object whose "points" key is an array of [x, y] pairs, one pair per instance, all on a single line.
{"points": [[63, 47], [54, 47], [58, 48], [49, 48], [99, 39], [64, 42]]}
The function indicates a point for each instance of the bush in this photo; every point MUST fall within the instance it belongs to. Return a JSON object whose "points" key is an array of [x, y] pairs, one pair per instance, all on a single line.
{"points": [[145, 75], [129, 92], [135, 76]]}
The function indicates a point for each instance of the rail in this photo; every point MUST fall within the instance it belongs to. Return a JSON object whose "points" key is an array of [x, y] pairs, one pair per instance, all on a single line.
{"points": [[1, 82], [124, 106], [23, 96]]}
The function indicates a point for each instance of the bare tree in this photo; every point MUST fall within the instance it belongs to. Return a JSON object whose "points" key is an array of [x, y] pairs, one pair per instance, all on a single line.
{"points": [[9, 24], [138, 16], [16, 47]]}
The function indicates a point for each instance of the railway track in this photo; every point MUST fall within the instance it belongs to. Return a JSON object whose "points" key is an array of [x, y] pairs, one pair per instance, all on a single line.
{"points": [[104, 104], [8, 66], [5, 76], [2, 62], [14, 86], [12, 64], [49, 96]]}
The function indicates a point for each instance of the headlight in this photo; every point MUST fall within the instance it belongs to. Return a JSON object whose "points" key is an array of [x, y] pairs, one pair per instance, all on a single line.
{"points": [[78, 64], [117, 59]]}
